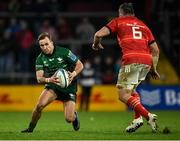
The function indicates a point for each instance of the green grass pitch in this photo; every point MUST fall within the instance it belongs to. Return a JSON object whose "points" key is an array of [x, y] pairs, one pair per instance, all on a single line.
{"points": [[94, 126]]}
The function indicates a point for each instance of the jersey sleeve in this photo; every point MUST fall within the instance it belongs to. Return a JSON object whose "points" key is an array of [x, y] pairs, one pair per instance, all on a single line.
{"points": [[70, 57], [112, 25], [39, 64]]}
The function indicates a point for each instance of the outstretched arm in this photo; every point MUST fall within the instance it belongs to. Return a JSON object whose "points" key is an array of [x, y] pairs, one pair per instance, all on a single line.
{"points": [[104, 31]]}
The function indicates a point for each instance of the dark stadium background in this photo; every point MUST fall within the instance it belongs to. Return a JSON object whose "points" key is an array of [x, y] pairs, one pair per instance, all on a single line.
{"points": [[53, 15], [21, 21]]}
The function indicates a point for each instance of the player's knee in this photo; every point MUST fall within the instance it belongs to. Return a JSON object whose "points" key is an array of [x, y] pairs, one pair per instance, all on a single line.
{"points": [[124, 94], [121, 97]]}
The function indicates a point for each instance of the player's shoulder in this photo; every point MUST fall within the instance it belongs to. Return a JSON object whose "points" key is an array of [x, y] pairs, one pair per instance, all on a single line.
{"points": [[124, 19], [141, 22], [60, 48], [116, 19]]}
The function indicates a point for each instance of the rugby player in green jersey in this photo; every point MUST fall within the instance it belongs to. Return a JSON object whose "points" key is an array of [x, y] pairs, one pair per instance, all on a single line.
{"points": [[47, 63]]}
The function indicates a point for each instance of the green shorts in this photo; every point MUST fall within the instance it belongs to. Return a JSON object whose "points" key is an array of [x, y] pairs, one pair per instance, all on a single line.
{"points": [[130, 76], [62, 94]]}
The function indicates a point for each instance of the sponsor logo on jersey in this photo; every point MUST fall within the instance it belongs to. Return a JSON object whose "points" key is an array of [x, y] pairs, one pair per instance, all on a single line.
{"points": [[71, 95], [60, 60], [45, 63], [51, 59]]}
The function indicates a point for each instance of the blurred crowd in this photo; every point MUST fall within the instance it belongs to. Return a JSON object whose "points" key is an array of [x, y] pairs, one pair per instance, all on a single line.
{"points": [[22, 21], [53, 5], [18, 46]]}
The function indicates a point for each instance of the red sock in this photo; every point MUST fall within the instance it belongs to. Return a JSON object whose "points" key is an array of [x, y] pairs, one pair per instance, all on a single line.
{"points": [[136, 113], [136, 105]]}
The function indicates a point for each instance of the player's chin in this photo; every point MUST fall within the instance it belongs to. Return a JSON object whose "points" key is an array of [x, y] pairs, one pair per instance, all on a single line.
{"points": [[45, 52]]}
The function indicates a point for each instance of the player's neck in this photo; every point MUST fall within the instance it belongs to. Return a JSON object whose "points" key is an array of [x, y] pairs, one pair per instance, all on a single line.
{"points": [[128, 15], [51, 52]]}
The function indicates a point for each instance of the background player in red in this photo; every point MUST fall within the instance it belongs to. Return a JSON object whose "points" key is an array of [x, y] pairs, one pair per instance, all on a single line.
{"points": [[140, 56]]}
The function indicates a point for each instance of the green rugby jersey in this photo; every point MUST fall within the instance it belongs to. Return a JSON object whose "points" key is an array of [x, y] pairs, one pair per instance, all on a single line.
{"points": [[60, 58]]}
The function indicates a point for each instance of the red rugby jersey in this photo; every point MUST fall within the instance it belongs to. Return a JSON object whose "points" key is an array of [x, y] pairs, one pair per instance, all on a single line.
{"points": [[133, 37]]}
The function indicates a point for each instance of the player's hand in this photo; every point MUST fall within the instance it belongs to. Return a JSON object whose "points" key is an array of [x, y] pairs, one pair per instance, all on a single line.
{"points": [[53, 79], [97, 47], [154, 74], [71, 76]]}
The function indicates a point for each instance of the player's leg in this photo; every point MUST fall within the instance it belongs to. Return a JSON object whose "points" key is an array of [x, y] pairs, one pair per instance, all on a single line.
{"points": [[142, 71], [136, 113], [152, 117], [127, 76], [133, 102], [46, 97], [71, 115], [127, 79], [138, 120], [69, 110]]}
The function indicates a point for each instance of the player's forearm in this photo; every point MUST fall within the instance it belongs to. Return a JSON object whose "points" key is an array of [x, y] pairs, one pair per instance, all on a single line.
{"points": [[104, 31], [97, 39], [155, 61], [43, 80], [78, 68], [155, 55]]}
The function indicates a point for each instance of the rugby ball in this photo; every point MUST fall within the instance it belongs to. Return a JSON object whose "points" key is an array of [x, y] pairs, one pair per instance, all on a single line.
{"points": [[63, 77]]}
